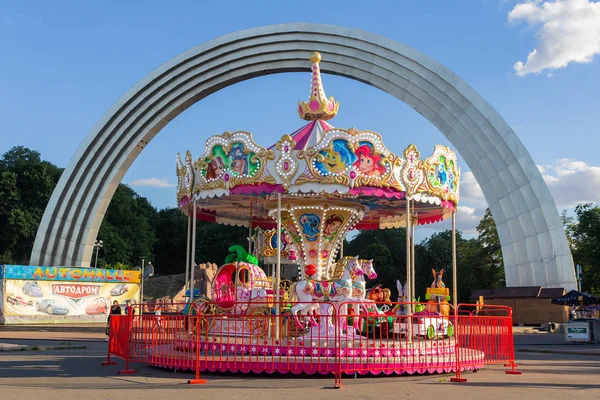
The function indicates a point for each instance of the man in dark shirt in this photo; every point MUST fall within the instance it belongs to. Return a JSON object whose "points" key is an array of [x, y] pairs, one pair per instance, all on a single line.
{"points": [[129, 310]]}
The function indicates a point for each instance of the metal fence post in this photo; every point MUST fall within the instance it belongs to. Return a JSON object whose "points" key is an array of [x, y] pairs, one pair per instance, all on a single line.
{"points": [[197, 381], [457, 378]]}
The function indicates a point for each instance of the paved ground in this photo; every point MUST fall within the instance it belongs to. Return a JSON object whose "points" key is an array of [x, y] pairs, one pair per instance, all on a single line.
{"points": [[77, 374]]}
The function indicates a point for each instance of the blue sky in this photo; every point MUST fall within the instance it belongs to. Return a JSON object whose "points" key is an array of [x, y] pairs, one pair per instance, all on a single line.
{"points": [[64, 63]]}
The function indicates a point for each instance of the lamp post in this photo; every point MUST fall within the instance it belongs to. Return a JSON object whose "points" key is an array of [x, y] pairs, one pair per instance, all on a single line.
{"points": [[97, 245]]}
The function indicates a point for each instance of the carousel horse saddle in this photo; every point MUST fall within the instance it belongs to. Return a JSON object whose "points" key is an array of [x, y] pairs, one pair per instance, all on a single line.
{"points": [[324, 289]]}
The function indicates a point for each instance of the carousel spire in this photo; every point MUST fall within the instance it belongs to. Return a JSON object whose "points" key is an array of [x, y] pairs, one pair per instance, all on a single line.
{"points": [[318, 105]]}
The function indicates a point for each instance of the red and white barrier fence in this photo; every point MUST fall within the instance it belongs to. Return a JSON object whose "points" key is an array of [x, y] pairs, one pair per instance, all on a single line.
{"points": [[336, 339]]}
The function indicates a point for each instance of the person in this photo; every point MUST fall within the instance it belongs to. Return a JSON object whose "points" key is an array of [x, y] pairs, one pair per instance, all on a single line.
{"points": [[114, 310], [572, 313], [129, 310], [158, 313]]}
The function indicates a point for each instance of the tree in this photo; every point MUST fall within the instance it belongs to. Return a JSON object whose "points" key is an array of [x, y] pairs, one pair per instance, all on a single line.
{"points": [[490, 269], [585, 236], [387, 249], [126, 229], [382, 257], [170, 226], [213, 241], [26, 184]]}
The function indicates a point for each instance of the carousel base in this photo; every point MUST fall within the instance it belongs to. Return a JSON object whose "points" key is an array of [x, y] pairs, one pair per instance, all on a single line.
{"points": [[301, 355]]}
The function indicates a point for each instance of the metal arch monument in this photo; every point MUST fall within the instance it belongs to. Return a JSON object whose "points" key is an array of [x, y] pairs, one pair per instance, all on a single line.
{"points": [[534, 245]]}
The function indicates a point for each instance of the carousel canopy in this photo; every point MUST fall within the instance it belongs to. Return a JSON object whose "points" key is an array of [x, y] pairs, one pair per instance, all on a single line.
{"points": [[235, 180]]}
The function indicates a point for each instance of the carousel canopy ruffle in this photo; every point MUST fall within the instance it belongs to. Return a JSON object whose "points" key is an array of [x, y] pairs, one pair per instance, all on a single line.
{"points": [[233, 174]]}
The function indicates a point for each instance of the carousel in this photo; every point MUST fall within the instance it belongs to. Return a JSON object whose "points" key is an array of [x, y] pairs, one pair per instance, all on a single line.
{"points": [[299, 198]]}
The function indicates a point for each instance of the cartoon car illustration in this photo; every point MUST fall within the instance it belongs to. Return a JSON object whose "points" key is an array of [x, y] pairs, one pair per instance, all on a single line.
{"points": [[98, 306], [49, 306], [18, 301], [119, 290], [427, 324], [32, 289]]}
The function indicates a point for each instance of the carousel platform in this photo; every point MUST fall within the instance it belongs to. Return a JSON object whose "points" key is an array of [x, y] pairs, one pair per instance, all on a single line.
{"points": [[305, 355]]}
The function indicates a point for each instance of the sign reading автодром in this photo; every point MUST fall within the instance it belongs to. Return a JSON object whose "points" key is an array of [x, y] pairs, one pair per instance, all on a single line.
{"points": [[28, 272]]}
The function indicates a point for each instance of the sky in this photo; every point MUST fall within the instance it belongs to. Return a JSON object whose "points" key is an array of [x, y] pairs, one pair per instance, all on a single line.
{"points": [[64, 63]]}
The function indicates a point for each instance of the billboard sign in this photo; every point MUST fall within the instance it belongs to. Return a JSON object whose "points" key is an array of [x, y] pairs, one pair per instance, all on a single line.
{"points": [[57, 294]]}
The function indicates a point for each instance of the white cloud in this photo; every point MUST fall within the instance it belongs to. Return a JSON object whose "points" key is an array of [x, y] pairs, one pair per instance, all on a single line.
{"points": [[152, 182], [569, 32], [467, 219], [470, 191], [572, 182]]}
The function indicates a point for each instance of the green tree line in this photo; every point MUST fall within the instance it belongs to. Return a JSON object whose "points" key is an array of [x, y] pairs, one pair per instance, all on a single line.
{"points": [[132, 228]]}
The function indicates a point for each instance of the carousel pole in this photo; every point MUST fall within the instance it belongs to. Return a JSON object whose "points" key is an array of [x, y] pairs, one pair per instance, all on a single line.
{"points": [[454, 283], [412, 256], [250, 237], [187, 256], [278, 271], [409, 293], [193, 255]]}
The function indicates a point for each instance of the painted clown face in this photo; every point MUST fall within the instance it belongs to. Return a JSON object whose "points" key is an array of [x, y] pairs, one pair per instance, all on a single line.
{"points": [[333, 162]]}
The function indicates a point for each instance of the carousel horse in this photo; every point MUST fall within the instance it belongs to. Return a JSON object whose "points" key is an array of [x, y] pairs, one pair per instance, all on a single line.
{"points": [[359, 285], [310, 292]]}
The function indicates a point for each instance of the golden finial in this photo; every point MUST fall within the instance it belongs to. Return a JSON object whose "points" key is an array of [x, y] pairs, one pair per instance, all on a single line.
{"points": [[315, 57], [318, 105]]}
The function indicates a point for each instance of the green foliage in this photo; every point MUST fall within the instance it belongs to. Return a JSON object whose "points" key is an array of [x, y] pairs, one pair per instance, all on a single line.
{"points": [[213, 241], [386, 248], [479, 260], [584, 234], [26, 184], [126, 230], [170, 226], [117, 265], [489, 266]]}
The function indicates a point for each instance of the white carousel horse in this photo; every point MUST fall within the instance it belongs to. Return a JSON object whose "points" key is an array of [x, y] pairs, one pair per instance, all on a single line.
{"points": [[359, 285], [339, 289]]}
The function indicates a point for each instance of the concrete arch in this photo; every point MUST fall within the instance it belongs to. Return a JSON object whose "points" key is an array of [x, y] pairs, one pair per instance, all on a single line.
{"points": [[534, 244]]}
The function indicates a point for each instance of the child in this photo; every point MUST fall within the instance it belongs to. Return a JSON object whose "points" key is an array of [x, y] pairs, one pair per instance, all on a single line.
{"points": [[158, 313]]}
